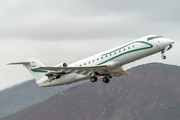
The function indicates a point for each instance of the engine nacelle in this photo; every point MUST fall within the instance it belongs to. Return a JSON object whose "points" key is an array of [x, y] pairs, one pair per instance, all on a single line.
{"points": [[51, 75], [61, 65]]}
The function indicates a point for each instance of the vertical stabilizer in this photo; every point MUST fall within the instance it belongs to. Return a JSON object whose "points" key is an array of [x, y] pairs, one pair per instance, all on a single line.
{"points": [[37, 74], [31, 65]]}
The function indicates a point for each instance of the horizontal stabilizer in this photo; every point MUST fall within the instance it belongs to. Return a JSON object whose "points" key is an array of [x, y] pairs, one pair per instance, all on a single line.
{"points": [[31, 64], [18, 63]]}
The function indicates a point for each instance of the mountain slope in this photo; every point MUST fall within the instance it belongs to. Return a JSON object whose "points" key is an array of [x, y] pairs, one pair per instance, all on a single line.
{"points": [[151, 92], [24, 95]]}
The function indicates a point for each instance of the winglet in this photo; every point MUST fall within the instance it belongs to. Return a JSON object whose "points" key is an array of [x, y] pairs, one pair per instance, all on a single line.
{"points": [[18, 63]]}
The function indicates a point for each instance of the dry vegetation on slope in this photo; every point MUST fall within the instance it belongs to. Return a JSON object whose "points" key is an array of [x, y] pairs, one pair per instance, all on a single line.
{"points": [[151, 92]]}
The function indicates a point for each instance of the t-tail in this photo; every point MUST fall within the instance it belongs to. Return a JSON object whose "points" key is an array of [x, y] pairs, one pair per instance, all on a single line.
{"points": [[31, 65]]}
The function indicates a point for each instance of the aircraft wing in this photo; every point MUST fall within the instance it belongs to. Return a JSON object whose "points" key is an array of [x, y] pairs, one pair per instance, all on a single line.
{"points": [[102, 70], [118, 72]]}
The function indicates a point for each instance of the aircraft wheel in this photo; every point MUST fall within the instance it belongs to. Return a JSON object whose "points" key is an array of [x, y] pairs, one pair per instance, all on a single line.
{"points": [[105, 79], [93, 79], [163, 57]]}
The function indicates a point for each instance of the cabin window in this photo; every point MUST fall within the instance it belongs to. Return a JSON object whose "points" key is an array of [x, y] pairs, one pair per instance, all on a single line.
{"points": [[110, 54], [133, 46], [89, 62], [80, 65], [128, 47], [93, 60], [114, 52], [84, 63], [119, 51], [97, 59], [124, 49], [101, 57], [106, 55]]}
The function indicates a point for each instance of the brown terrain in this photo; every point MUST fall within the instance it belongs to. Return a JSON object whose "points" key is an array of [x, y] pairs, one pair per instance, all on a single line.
{"points": [[26, 94], [151, 92]]}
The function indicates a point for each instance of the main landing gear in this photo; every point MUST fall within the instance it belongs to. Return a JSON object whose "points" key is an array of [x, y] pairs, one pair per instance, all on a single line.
{"points": [[105, 79], [93, 79]]}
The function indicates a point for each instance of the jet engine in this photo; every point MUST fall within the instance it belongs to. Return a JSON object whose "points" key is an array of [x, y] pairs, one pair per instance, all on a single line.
{"points": [[52, 76], [61, 65]]}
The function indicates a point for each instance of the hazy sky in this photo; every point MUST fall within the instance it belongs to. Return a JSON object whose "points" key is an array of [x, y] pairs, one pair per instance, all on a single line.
{"points": [[55, 31]]}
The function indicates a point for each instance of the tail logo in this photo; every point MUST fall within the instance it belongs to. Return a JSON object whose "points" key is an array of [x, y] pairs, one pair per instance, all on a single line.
{"points": [[33, 65]]}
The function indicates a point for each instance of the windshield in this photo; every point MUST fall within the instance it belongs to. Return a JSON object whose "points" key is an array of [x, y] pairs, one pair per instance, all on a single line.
{"points": [[155, 37]]}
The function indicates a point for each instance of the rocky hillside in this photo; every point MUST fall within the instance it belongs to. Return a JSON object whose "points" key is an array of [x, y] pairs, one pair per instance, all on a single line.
{"points": [[151, 92], [24, 95]]}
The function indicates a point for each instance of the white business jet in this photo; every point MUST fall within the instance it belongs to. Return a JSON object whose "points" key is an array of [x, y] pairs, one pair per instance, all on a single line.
{"points": [[107, 64]]}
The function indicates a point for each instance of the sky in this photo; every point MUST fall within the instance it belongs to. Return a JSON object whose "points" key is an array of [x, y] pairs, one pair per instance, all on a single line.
{"points": [[56, 31]]}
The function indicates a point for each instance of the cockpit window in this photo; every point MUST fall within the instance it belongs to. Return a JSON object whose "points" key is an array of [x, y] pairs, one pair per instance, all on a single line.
{"points": [[151, 38]]}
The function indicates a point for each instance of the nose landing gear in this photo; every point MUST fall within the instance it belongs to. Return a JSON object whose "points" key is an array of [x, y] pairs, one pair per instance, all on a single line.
{"points": [[163, 56]]}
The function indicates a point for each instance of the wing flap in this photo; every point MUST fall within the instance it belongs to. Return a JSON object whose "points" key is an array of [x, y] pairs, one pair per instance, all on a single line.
{"points": [[118, 72]]}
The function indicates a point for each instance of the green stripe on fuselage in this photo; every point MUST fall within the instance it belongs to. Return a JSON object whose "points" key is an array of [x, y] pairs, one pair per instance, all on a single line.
{"points": [[35, 70], [130, 44], [127, 51]]}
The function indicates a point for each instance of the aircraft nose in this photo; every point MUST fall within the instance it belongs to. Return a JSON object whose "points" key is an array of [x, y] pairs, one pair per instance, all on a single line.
{"points": [[169, 42]]}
